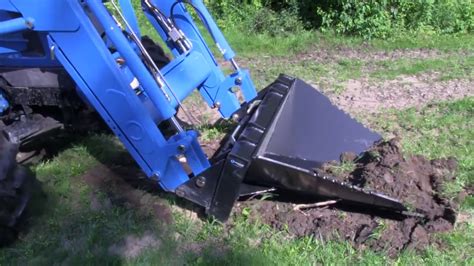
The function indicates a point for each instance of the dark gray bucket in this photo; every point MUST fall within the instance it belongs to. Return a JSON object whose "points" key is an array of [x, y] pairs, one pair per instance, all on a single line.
{"points": [[284, 136]]}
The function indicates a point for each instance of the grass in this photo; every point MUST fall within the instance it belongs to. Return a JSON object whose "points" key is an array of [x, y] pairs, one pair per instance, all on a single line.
{"points": [[343, 169], [419, 41], [256, 45], [66, 229], [454, 67]]}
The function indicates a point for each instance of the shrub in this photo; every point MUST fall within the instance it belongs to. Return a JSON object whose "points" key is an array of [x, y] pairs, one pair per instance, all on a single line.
{"points": [[382, 18], [256, 16], [367, 18]]}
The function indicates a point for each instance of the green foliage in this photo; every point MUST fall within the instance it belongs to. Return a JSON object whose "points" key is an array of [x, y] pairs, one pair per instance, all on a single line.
{"points": [[274, 23], [369, 19], [255, 16], [383, 18]]}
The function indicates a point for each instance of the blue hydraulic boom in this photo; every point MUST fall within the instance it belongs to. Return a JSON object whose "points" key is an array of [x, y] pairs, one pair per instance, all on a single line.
{"points": [[282, 134]]}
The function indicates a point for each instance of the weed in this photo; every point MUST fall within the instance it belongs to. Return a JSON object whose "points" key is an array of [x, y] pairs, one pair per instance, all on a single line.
{"points": [[378, 231], [212, 133], [343, 169]]}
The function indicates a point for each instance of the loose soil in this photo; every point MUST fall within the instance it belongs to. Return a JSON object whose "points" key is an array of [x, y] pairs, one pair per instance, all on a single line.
{"points": [[414, 180]]}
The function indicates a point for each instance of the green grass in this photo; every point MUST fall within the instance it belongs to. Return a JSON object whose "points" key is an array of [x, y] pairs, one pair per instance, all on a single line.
{"points": [[257, 45], [252, 45], [453, 67], [65, 229], [265, 71], [343, 169], [419, 41], [68, 231], [211, 133]]}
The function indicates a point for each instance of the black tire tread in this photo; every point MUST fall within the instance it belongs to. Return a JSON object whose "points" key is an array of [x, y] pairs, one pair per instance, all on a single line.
{"points": [[15, 191]]}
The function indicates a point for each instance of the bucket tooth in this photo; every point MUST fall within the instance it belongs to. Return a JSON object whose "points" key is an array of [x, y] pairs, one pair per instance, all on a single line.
{"points": [[287, 131]]}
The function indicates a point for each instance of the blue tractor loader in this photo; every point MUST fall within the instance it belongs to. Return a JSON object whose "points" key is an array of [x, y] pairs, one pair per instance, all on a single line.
{"points": [[62, 61]]}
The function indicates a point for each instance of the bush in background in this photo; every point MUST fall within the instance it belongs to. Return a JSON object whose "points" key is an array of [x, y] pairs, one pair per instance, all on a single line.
{"points": [[368, 18], [383, 18], [256, 16]]}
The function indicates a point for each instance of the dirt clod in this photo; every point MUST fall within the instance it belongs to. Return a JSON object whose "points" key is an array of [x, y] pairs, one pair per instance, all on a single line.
{"points": [[414, 180]]}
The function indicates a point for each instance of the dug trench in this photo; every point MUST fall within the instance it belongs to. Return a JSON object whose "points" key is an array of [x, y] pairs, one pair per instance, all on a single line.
{"points": [[414, 180]]}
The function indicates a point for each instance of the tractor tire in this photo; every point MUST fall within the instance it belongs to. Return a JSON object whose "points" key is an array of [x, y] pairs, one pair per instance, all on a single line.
{"points": [[156, 52], [15, 191]]}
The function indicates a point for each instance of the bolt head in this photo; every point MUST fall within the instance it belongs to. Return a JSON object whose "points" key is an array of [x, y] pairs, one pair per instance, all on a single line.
{"points": [[156, 176], [201, 181], [120, 61], [29, 24], [180, 193], [238, 81], [236, 117], [181, 148]]}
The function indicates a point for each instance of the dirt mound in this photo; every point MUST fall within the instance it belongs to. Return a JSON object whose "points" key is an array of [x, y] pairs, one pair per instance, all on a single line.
{"points": [[414, 180]]}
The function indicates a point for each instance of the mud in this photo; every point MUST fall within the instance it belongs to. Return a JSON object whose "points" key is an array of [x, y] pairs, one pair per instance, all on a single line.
{"points": [[414, 180]]}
